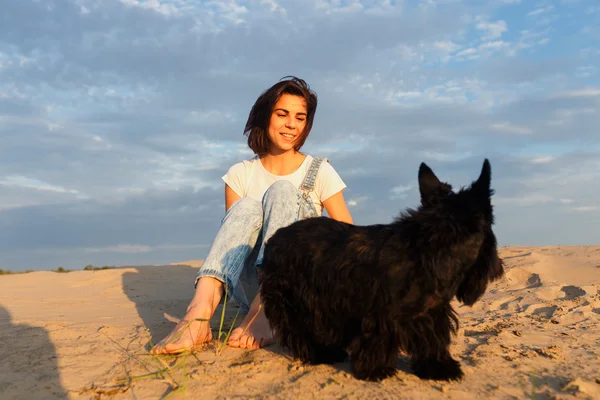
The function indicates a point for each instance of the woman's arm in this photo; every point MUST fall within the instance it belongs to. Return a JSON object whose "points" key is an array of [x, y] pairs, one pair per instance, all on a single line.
{"points": [[337, 209], [230, 197]]}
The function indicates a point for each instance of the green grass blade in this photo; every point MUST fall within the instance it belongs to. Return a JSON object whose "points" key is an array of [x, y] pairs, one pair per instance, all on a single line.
{"points": [[222, 345], [223, 310]]}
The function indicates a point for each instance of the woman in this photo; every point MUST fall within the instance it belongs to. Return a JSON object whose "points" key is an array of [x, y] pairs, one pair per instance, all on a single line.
{"points": [[278, 186]]}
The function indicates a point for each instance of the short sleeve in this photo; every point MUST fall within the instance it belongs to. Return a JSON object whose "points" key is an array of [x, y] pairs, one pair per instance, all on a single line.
{"points": [[328, 182], [236, 178]]}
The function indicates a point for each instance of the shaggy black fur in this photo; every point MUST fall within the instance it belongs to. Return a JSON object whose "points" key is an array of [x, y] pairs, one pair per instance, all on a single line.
{"points": [[330, 288]]}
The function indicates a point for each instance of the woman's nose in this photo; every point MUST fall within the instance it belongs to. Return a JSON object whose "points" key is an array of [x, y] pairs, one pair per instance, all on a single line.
{"points": [[290, 122]]}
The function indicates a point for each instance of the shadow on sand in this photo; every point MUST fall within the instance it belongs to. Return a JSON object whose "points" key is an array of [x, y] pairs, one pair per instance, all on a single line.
{"points": [[158, 290], [29, 368]]}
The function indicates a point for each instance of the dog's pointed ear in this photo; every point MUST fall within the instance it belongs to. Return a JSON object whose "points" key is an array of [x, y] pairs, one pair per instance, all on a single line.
{"points": [[428, 182], [482, 185]]}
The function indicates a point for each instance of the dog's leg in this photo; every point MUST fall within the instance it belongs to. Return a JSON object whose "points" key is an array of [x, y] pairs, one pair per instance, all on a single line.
{"points": [[427, 345], [308, 351], [440, 368], [293, 334], [375, 352], [327, 354]]}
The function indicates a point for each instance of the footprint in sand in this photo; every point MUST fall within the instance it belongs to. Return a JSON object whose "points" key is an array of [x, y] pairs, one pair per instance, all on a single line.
{"points": [[546, 312], [519, 278], [572, 292], [534, 281]]}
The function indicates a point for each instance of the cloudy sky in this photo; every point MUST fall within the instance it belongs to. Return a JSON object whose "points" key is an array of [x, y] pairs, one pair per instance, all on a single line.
{"points": [[118, 117]]}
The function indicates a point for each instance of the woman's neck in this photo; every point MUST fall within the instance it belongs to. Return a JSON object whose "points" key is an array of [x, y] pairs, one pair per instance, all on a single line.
{"points": [[283, 163]]}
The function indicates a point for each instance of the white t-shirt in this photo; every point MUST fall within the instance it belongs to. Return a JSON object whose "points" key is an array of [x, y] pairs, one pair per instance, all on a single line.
{"points": [[249, 178]]}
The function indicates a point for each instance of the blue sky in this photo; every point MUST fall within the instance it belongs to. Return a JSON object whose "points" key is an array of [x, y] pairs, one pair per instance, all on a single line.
{"points": [[118, 117]]}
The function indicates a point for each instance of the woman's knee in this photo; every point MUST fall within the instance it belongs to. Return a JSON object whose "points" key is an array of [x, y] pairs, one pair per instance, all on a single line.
{"points": [[247, 207], [281, 191]]}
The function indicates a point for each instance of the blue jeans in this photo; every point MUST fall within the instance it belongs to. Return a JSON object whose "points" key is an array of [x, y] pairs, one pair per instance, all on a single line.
{"points": [[247, 226]]}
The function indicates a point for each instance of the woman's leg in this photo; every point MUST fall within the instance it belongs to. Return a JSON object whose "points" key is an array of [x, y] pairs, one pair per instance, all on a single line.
{"points": [[283, 204], [234, 242]]}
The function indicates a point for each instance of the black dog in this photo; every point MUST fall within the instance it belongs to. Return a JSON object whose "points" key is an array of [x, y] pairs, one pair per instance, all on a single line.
{"points": [[330, 288]]}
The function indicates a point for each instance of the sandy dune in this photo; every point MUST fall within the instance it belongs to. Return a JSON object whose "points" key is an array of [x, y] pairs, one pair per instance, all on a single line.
{"points": [[535, 334]]}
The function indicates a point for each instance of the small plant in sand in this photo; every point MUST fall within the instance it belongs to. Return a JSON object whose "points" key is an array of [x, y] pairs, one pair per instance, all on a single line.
{"points": [[62, 270], [90, 267], [9, 272], [221, 344]]}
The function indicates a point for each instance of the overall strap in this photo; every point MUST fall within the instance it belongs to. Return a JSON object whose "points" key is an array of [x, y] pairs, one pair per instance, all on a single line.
{"points": [[308, 183]]}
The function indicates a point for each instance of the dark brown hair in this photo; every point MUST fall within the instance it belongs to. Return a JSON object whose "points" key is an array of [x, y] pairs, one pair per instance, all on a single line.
{"points": [[260, 114]]}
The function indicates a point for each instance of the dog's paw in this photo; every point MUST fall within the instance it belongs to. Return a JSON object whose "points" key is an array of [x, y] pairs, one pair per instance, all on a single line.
{"points": [[376, 374], [329, 355], [438, 370]]}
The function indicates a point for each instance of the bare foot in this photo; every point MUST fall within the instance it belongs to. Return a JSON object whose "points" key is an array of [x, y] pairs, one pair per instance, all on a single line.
{"points": [[194, 328], [254, 331], [187, 334]]}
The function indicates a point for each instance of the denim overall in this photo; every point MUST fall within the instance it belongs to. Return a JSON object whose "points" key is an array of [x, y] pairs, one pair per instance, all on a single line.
{"points": [[247, 226]]}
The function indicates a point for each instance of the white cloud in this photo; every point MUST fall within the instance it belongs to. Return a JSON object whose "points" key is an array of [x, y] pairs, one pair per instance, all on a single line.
{"points": [[274, 6], [164, 7], [447, 46], [121, 248], [524, 200], [28, 183], [585, 92], [542, 160], [355, 201], [400, 192], [571, 112], [529, 39], [491, 30], [466, 52], [496, 44], [408, 95], [541, 10], [445, 156], [583, 209], [585, 71], [511, 128]]}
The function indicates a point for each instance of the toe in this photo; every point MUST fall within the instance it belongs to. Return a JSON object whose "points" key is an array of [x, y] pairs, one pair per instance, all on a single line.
{"points": [[251, 342], [233, 342], [243, 341], [173, 349]]}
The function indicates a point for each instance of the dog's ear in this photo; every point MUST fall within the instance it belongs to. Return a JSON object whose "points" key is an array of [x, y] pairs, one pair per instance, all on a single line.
{"points": [[428, 182], [482, 185]]}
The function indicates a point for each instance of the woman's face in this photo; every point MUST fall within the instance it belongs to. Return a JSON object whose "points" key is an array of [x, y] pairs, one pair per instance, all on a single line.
{"points": [[287, 123]]}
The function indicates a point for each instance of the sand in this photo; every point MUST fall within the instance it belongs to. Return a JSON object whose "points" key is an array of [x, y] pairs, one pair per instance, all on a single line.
{"points": [[85, 334]]}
